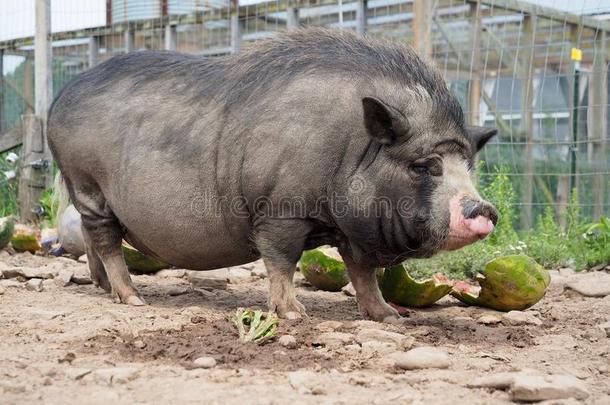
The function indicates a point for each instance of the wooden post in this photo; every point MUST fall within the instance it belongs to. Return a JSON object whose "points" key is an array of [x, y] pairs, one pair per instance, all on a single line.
{"points": [[292, 18], [422, 27], [170, 37], [1, 90], [93, 50], [361, 20], [129, 40], [527, 117], [43, 80], [597, 124], [236, 27], [32, 177], [474, 93]]}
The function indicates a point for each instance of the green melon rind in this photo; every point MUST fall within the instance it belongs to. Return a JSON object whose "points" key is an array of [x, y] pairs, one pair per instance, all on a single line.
{"points": [[398, 287], [141, 263], [25, 242], [322, 271], [509, 283], [7, 227]]}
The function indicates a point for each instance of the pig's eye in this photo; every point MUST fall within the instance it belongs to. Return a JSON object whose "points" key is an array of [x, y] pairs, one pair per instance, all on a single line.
{"points": [[420, 169], [428, 167]]}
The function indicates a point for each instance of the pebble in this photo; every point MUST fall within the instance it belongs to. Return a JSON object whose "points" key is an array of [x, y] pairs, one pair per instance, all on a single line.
{"points": [[606, 328], [500, 381], [82, 259], [489, 319], [421, 357], [516, 318], [403, 342], [204, 362], [178, 290], [540, 388], [63, 277], [139, 344], [349, 290], [333, 340], [259, 270], [238, 275], [328, 326], [81, 276], [288, 341], [34, 284], [377, 347], [167, 273], [10, 284], [595, 284], [209, 280], [28, 272]]}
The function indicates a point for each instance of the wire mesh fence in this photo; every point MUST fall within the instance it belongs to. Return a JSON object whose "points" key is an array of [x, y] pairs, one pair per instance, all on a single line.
{"points": [[509, 62]]}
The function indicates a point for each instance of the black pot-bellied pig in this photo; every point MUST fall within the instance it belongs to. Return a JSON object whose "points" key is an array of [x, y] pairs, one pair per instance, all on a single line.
{"points": [[313, 137]]}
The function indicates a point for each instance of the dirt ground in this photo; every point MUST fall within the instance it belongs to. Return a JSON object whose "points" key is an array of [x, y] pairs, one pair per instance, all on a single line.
{"points": [[74, 345]]}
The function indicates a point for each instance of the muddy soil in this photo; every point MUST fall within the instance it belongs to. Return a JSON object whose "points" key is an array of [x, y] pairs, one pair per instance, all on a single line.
{"points": [[74, 345]]}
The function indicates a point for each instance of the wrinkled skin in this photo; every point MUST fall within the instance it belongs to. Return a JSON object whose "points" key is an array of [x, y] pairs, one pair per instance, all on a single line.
{"points": [[207, 163]]}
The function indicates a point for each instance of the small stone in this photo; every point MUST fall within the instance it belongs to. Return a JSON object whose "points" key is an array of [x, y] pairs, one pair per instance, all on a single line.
{"points": [[209, 280], [605, 327], [540, 388], [421, 357], [178, 290], [333, 340], [595, 284], [81, 276], [349, 290], [516, 318], [489, 319], [34, 284], [238, 275], [204, 362], [403, 342], [28, 272], [82, 259], [63, 277], [167, 273], [11, 284], [288, 341], [259, 270], [377, 347], [139, 344], [328, 326], [500, 381]]}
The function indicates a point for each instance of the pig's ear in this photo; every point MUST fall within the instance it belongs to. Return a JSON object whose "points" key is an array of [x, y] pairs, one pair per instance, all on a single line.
{"points": [[480, 135], [384, 123]]}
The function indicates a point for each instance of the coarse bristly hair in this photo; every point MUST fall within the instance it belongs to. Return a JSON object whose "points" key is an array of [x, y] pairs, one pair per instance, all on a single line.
{"points": [[270, 64]]}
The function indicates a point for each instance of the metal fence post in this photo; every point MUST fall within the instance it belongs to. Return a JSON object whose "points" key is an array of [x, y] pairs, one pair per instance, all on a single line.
{"points": [[170, 37], [361, 20], [292, 18]]}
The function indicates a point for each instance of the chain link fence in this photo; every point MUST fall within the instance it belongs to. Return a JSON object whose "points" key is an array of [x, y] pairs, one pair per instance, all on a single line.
{"points": [[512, 64]]}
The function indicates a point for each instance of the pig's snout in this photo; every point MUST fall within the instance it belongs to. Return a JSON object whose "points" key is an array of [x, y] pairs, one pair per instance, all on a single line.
{"points": [[470, 220], [480, 217]]}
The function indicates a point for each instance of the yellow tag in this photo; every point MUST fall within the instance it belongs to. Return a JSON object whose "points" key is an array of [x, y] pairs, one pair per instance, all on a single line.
{"points": [[576, 54]]}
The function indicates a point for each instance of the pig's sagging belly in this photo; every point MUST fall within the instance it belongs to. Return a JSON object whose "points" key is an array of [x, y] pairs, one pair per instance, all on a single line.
{"points": [[178, 217]]}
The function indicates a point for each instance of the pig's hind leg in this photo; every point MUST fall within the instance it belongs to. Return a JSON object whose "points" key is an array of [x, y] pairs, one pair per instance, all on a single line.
{"points": [[103, 236]]}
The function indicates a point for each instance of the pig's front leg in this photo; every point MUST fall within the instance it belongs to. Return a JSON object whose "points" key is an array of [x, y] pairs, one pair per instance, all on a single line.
{"points": [[370, 301], [281, 243]]}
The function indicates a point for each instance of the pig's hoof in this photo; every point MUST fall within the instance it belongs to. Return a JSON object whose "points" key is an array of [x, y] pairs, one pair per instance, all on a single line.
{"points": [[381, 312], [135, 301], [289, 310]]}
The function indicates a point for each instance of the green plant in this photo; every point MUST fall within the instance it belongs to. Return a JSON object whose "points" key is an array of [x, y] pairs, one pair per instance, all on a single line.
{"points": [[255, 326], [49, 209], [501, 192]]}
